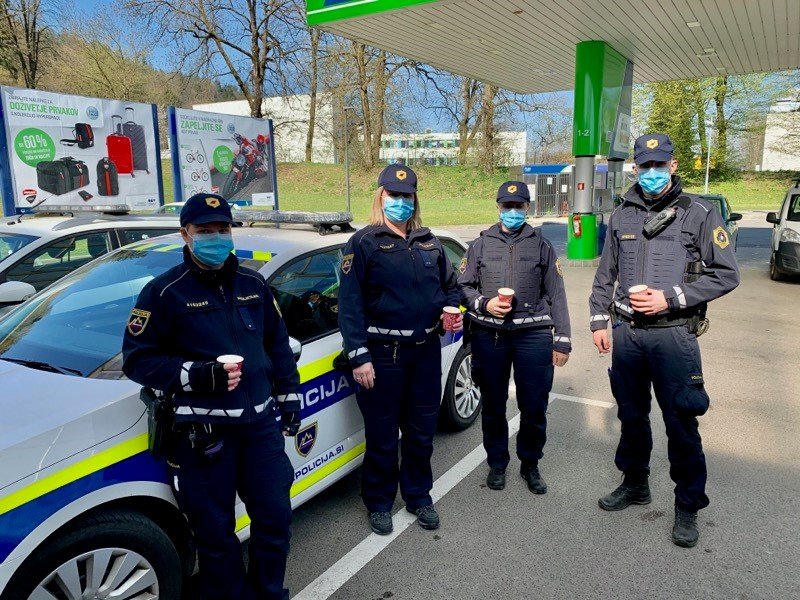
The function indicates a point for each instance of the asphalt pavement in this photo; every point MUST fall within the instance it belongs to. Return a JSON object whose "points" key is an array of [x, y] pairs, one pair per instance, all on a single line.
{"points": [[513, 544]]}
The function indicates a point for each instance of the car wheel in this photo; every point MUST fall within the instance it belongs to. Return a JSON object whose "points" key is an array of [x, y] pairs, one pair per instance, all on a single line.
{"points": [[118, 554], [461, 402], [774, 271]]}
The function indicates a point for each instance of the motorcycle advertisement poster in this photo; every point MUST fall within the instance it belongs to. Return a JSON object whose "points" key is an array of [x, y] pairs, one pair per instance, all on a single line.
{"points": [[64, 150], [223, 154]]}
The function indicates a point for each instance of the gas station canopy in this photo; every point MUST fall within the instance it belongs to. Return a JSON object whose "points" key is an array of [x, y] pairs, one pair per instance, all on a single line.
{"points": [[528, 46]]}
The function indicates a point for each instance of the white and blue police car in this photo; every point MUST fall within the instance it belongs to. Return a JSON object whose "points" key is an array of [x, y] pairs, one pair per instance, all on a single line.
{"points": [[85, 509]]}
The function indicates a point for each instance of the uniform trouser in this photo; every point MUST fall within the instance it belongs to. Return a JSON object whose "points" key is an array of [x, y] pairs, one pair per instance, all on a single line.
{"points": [[253, 463], [530, 352], [406, 396], [667, 358]]}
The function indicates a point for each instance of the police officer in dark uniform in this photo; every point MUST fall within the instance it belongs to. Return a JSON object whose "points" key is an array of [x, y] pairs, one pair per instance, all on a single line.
{"points": [[530, 333], [227, 439], [677, 246], [396, 279]]}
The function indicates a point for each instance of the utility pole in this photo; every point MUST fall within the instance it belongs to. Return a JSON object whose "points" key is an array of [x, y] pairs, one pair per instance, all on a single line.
{"points": [[708, 158]]}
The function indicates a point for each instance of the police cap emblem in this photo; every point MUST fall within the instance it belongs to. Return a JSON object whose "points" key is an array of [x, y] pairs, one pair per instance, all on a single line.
{"points": [[401, 175], [305, 439], [212, 202], [138, 320], [721, 237], [652, 143], [512, 189]]}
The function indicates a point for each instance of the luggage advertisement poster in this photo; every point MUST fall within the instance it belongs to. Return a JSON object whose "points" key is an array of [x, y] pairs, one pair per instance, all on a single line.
{"points": [[63, 150], [223, 154]]}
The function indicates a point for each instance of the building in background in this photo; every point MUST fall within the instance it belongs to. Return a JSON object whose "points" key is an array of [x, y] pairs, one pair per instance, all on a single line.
{"points": [[441, 149], [289, 116], [782, 137]]}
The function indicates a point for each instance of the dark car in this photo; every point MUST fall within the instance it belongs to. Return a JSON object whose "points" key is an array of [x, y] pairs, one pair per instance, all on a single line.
{"points": [[729, 217]]}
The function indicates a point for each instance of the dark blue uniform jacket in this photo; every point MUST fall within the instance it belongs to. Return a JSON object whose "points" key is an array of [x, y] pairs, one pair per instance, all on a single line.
{"points": [[189, 315], [392, 288]]}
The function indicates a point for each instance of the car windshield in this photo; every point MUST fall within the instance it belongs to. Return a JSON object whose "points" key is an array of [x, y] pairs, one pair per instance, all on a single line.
{"points": [[76, 325], [12, 242], [717, 202]]}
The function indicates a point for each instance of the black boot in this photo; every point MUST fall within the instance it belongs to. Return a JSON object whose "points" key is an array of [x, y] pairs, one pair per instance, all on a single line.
{"points": [[496, 480], [427, 517], [381, 522], [684, 532], [632, 491], [530, 473]]}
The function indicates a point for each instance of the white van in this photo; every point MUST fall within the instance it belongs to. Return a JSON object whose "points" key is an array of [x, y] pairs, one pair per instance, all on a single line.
{"points": [[785, 258]]}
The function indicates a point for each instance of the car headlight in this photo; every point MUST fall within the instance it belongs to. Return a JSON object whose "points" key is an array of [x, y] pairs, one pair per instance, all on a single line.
{"points": [[790, 235]]}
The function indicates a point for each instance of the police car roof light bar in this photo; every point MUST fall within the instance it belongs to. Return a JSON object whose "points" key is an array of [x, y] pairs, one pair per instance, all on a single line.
{"points": [[324, 222]]}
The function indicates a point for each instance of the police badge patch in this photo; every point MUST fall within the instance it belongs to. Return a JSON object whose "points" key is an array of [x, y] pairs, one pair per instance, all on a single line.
{"points": [[463, 266], [212, 202], [138, 321], [721, 237], [347, 263], [305, 439]]}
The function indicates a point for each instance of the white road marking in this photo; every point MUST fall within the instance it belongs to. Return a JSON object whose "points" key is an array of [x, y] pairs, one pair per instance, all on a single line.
{"points": [[351, 563]]}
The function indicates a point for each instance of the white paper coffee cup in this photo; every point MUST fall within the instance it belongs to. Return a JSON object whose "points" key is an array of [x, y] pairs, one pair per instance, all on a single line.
{"points": [[227, 359], [637, 289]]}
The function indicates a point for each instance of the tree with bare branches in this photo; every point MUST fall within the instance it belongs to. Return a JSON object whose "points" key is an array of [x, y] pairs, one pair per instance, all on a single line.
{"points": [[247, 40], [24, 39]]}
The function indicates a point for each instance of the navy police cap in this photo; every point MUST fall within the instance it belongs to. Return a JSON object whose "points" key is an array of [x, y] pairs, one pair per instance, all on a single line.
{"points": [[513, 191], [653, 146], [206, 208], [399, 179]]}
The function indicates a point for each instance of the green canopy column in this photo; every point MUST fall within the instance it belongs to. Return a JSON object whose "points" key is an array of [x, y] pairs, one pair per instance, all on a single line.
{"points": [[601, 126]]}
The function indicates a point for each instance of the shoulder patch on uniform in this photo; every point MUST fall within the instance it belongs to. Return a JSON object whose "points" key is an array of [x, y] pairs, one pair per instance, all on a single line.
{"points": [[559, 270], [347, 263], [721, 237], [138, 320], [462, 265]]}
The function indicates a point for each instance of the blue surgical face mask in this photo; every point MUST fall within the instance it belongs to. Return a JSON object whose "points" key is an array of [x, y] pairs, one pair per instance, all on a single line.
{"points": [[512, 218], [212, 248], [398, 209], [654, 180]]}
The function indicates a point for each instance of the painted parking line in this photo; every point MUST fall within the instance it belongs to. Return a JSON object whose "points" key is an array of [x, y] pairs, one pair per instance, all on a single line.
{"points": [[351, 563]]}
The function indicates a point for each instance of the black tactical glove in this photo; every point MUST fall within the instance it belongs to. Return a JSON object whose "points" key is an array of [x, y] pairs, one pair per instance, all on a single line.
{"points": [[208, 376], [290, 423]]}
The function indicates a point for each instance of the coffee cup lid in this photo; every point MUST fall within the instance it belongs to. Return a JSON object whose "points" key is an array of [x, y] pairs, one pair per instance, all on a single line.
{"points": [[452, 310], [230, 359]]}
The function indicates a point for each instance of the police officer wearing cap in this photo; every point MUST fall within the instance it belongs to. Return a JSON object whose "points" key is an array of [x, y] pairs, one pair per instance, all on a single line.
{"points": [[226, 439], [675, 247], [529, 332], [396, 280]]}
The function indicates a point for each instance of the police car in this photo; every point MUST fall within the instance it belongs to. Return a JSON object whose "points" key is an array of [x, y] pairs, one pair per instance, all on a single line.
{"points": [[40, 248], [785, 257], [85, 510]]}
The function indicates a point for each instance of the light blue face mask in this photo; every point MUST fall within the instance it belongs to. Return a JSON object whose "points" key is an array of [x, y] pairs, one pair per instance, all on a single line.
{"points": [[398, 209], [654, 180], [512, 218], [212, 248]]}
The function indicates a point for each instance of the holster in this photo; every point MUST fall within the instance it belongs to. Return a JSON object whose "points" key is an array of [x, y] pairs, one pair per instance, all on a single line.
{"points": [[160, 422], [698, 323]]}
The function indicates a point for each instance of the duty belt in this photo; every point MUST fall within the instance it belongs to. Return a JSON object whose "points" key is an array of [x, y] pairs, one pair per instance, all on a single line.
{"points": [[645, 322]]}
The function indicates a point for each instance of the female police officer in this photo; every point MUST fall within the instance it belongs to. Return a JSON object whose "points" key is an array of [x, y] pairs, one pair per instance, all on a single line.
{"points": [[530, 333], [395, 282], [227, 439]]}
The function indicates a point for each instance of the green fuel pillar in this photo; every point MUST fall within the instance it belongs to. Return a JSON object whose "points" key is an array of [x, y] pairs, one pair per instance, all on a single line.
{"points": [[601, 126]]}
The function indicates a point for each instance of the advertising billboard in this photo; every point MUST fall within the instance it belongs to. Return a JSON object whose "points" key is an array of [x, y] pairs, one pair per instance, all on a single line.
{"points": [[64, 150], [224, 154], [319, 12]]}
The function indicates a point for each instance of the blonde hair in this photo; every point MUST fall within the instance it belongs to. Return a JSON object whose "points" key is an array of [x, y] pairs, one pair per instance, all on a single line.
{"points": [[378, 218]]}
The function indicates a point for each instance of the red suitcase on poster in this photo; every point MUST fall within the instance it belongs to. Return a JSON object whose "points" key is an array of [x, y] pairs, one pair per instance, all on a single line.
{"points": [[120, 148]]}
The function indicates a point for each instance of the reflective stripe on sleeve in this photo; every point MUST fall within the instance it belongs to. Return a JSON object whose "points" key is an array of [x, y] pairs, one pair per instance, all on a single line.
{"points": [[561, 338], [210, 412], [624, 307], [288, 398], [357, 352], [394, 332], [681, 296], [185, 376], [600, 318]]}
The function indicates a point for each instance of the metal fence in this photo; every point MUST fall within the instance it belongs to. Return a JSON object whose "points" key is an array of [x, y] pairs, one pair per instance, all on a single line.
{"points": [[551, 193]]}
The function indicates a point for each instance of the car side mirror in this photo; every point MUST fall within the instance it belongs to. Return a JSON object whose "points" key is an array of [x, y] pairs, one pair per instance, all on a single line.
{"points": [[735, 217], [14, 292], [297, 348], [772, 217]]}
